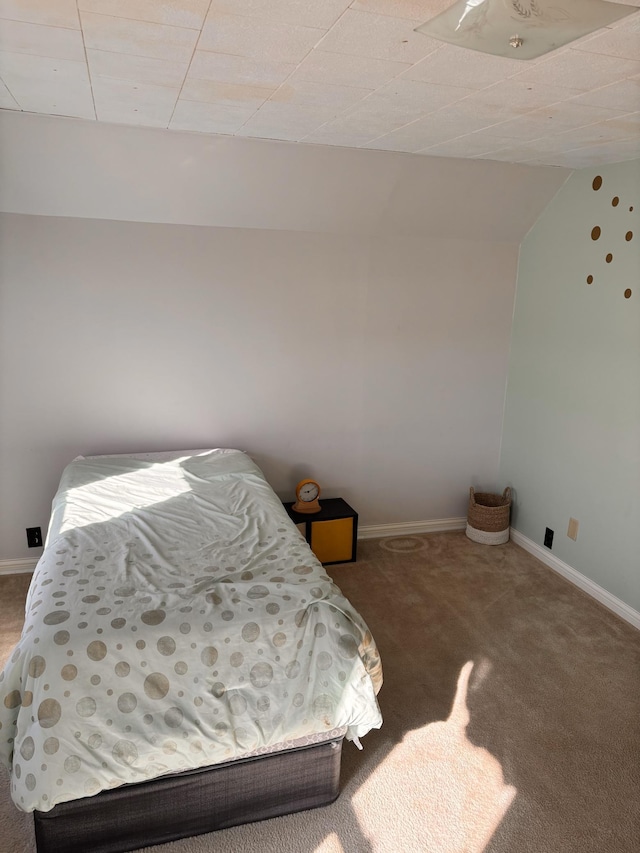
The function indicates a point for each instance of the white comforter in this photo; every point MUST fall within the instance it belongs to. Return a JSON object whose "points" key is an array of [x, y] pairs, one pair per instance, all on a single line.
{"points": [[177, 619]]}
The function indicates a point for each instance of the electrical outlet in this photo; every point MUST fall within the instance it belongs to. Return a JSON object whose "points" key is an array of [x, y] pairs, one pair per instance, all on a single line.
{"points": [[34, 537], [548, 538], [572, 530]]}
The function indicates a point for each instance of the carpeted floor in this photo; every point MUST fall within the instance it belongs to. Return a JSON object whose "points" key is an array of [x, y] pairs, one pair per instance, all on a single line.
{"points": [[511, 705]]}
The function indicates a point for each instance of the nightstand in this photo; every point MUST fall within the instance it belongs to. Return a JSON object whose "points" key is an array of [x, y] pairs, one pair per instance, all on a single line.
{"points": [[331, 533]]}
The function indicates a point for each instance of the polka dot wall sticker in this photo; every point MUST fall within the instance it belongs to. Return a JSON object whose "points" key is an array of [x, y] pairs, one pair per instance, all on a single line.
{"points": [[597, 182], [609, 258], [627, 293], [596, 232], [615, 201]]}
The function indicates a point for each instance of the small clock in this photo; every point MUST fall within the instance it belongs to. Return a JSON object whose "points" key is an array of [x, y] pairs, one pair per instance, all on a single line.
{"points": [[307, 494]]}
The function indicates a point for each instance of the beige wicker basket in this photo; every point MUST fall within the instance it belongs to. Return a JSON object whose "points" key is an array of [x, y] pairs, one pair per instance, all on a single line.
{"points": [[488, 517]]}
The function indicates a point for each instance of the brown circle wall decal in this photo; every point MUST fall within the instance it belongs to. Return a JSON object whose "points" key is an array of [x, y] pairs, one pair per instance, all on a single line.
{"points": [[595, 233], [589, 279], [615, 201], [609, 258], [631, 209], [627, 293], [628, 236], [597, 182]]}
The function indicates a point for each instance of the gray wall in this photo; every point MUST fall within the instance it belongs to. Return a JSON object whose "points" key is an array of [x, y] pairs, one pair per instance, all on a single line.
{"points": [[338, 313], [376, 365], [571, 442]]}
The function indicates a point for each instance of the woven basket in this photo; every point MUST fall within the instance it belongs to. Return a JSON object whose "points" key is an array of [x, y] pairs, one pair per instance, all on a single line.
{"points": [[488, 517]]}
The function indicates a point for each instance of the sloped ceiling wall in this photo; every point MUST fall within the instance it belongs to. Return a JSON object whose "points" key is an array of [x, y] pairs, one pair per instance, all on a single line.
{"points": [[66, 167]]}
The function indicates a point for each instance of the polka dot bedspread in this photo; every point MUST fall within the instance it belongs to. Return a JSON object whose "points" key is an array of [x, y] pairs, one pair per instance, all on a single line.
{"points": [[177, 619]]}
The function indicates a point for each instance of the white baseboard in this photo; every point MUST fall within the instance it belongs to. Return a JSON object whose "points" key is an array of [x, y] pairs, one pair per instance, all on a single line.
{"points": [[17, 567], [408, 528], [586, 584]]}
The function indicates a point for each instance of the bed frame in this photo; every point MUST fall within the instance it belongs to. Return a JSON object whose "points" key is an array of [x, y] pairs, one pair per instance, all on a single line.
{"points": [[194, 802]]}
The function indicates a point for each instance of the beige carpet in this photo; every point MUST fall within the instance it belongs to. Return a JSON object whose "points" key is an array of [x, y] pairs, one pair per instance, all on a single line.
{"points": [[511, 706]]}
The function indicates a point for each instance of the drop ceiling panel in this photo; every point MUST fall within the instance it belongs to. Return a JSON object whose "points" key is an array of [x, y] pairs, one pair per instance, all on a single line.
{"points": [[619, 42], [257, 38], [55, 13], [141, 38], [348, 73], [580, 69], [177, 13], [285, 121], [225, 118], [123, 101], [460, 67], [300, 12], [342, 69], [303, 92], [41, 40], [40, 84], [222, 68], [624, 95], [7, 101], [143, 69], [242, 95], [378, 37]]}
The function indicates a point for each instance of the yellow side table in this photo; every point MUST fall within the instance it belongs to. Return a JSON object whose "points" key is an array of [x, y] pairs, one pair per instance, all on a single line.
{"points": [[332, 533]]}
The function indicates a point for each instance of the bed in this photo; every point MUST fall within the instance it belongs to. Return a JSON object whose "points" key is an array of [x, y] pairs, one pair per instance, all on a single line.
{"points": [[186, 663]]}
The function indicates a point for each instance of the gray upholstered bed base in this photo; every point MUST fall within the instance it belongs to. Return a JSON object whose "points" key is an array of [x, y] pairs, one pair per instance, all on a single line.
{"points": [[192, 803]]}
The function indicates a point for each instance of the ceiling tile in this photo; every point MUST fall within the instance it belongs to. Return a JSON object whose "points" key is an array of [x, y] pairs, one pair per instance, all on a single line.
{"points": [[44, 85], [222, 68], [623, 95], [232, 94], [460, 67], [7, 101], [121, 35], [594, 155], [468, 145], [580, 70], [210, 118], [621, 43], [378, 37], [320, 66], [303, 12], [417, 135], [423, 97], [124, 101], [335, 133], [62, 13], [41, 40], [257, 38], [143, 69], [520, 97], [416, 10], [177, 13], [334, 72], [371, 120], [481, 109], [554, 119], [598, 134], [318, 94], [285, 121]]}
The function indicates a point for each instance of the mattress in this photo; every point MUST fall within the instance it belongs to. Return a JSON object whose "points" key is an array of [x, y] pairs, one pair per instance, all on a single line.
{"points": [[176, 620]]}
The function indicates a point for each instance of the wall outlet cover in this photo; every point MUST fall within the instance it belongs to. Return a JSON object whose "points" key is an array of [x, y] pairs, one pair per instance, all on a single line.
{"points": [[34, 537], [548, 537]]}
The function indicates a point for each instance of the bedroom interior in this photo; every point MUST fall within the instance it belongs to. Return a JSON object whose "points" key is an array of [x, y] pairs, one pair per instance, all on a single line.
{"points": [[396, 300]]}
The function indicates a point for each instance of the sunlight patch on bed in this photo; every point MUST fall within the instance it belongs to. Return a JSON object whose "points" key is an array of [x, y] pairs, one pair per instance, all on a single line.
{"points": [[456, 790], [113, 496]]}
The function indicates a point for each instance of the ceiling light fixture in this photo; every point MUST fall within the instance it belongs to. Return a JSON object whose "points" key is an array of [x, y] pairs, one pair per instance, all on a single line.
{"points": [[521, 29]]}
